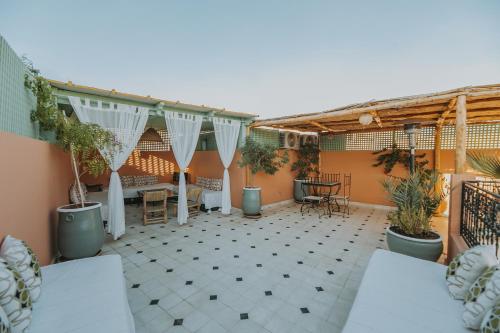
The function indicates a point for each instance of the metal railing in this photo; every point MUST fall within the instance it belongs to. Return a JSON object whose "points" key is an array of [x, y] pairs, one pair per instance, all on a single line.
{"points": [[480, 219]]}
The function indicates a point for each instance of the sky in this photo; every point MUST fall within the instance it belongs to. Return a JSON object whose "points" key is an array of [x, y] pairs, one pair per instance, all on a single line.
{"points": [[267, 57]]}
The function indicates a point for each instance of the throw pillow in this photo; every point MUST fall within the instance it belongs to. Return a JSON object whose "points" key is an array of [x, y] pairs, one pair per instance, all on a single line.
{"points": [[4, 322], [491, 321], [485, 294], [15, 298], [21, 257], [463, 271], [74, 194], [127, 181]]}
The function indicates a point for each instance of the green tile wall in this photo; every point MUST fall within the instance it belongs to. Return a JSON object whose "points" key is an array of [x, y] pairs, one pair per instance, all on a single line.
{"points": [[266, 136], [16, 102]]}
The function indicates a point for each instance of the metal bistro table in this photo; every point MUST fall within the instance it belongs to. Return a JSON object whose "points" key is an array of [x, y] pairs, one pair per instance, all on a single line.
{"points": [[318, 195]]}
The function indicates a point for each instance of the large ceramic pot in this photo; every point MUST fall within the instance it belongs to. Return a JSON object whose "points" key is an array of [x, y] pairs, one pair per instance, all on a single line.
{"points": [[251, 201], [298, 194], [80, 232], [427, 249]]}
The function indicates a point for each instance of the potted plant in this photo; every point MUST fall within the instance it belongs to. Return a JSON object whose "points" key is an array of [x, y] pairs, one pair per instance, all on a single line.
{"points": [[80, 228], [416, 198], [259, 157], [306, 164]]}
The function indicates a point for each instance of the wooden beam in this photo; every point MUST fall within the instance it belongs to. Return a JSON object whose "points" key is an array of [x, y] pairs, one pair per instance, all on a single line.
{"points": [[323, 127], [461, 134], [437, 148], [443, 116], [377, 118]]}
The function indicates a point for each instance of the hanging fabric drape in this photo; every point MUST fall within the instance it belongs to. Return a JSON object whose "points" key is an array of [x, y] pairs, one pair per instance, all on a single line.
{"points": [[127, 123], [184, 130], [226, 136]]}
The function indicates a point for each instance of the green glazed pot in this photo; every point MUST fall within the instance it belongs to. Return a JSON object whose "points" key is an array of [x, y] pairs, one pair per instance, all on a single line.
{"points": [[80, 232], [298, 194], [427, 249], [251, 201]]}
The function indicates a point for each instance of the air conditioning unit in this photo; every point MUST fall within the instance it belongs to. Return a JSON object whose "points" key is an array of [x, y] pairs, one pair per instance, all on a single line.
{"points": [[289, 140], [308, 138]]}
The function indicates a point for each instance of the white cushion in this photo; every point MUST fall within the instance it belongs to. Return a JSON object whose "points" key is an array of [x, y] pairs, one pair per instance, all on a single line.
{"points": [[404, 294], [25, 261], [491, 320], [86, 295], [486, 295], [472, 263], [15, 298], [4, 322]]}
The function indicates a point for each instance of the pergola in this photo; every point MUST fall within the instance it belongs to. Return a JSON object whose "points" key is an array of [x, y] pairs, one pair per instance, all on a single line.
{"points": [[467, 105]]}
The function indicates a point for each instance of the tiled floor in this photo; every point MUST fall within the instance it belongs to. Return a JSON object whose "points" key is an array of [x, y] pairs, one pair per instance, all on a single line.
{"points": [[280, 273]]}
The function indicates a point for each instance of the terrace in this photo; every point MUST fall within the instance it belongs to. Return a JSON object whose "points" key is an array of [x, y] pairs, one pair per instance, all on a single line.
{"points": [[217, 270]]}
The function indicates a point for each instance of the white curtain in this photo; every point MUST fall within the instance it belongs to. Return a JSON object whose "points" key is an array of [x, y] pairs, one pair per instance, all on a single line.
{"points": [[127, 123], [226, 136], [183, 130]]}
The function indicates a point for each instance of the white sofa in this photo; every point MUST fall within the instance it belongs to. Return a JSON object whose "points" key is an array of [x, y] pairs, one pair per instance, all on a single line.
{"points": [[81, 296], [404, 294]]}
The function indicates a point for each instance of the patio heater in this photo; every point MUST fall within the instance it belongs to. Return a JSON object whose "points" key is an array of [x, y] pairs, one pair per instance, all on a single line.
{"points": [[412, 130]]}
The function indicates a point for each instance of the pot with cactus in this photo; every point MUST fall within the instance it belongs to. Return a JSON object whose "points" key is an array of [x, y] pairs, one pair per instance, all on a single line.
{"points": [[80, 231], [416, 199], [258, 157]]}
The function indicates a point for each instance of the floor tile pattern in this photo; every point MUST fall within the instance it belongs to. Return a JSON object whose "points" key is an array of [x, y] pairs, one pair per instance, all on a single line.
{"points": [[283, 272]]}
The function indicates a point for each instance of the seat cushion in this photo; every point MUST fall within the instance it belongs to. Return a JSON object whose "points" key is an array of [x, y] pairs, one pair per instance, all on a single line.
{"points": [[404, 294], [86, 295]]}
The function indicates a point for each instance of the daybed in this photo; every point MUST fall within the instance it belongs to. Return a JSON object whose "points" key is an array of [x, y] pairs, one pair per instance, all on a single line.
{"points": [[404, 294], [81, 296]]}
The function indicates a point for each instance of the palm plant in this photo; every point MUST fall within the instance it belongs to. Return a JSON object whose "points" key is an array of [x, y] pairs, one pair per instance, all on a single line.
{"points": [[416, 197], [486, 164]]}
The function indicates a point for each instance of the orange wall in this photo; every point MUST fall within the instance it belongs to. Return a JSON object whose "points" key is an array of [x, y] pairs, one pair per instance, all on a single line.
{"points": [[277, 187], [366, 179], [34, 181]]}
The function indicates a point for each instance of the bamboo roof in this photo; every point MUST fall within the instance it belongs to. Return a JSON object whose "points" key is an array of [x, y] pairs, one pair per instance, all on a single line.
{"points": [[434, 109]]}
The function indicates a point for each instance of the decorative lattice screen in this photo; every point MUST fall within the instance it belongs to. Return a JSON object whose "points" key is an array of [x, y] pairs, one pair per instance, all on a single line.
{"points": [[266, 136], [156, 146], [480, 136]]}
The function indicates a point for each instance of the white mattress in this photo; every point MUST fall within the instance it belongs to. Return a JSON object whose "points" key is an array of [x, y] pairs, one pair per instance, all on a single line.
{"points": [[81, 296], [209, 198], [404, 294]]}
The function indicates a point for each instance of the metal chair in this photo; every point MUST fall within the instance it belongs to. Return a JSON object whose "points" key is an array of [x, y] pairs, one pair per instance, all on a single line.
{"points": [[315, 196], [155, 207], [345, 197]]}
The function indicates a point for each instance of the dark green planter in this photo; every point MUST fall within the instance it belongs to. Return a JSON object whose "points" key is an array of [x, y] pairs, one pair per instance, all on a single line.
{"points": [[80, 232], [251, 201], [427, 249], [298, 194]]}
